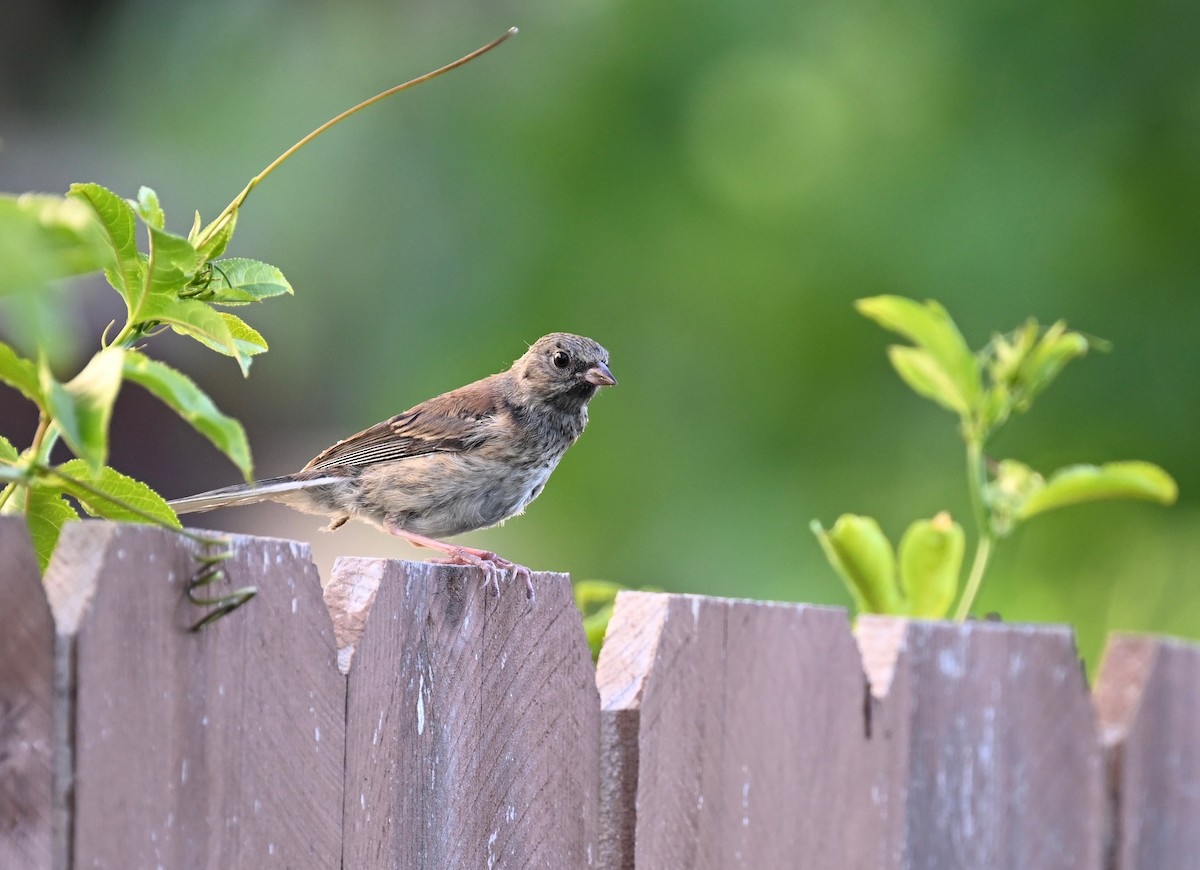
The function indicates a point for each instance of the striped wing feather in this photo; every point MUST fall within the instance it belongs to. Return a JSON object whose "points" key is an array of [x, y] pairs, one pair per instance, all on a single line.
{"points": [[450, 423]]}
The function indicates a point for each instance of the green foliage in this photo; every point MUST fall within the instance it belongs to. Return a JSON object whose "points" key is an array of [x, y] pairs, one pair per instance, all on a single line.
{"points": [[921, 584], [595, 600], [173, 282], [177, 390], [983, 390]]}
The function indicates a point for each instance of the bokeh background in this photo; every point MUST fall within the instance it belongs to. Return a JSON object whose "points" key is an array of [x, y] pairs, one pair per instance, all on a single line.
{"points": [[705, 188]]}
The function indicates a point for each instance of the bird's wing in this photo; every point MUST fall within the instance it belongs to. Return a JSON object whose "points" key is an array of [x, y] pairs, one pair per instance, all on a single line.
{"points": [[450, 423]]}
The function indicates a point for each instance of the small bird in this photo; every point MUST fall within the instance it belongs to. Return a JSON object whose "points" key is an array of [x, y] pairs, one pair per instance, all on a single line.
{"points": [[465, 460]]}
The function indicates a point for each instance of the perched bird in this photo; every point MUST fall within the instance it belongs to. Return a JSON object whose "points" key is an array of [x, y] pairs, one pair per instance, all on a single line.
{"points": [[464, 460]]}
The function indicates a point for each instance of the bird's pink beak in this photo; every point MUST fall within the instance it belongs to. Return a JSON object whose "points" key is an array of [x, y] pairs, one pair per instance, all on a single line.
{"points": [[600, 376]]}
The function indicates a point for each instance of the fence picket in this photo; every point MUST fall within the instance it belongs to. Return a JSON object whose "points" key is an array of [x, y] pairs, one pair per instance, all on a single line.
{"points": [[472, 720], [1148, 699], [750, 748], [26, 705], [988, 746], [221, 749]]}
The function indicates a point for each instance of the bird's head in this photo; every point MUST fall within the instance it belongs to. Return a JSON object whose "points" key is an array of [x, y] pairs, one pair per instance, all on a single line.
{"points": [[561, 367]]}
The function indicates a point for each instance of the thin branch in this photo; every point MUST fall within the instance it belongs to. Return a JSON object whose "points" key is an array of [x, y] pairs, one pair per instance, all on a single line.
{"points": [[213, 228]]}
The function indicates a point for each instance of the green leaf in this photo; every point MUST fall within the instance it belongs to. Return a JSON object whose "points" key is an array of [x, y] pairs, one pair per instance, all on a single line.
{"points": [[20, 374], [929, 327], [245, 338], [93, 392], [46, 512], [1082, 483], [216, 245], [861, 554], [594, 600], [173, 262], [108, 493], [595, 626], [591, 594], [198, 321], [45, 237], [931, 555], [8, 453], [920, 370], [238, 281], [1043, 363], [82, 408], [179, 392], [1006, 353], [61, 407], [123, 266], [148, 208]]}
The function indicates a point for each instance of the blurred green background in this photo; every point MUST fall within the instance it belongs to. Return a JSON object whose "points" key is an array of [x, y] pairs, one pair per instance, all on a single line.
{"points": [[704, 188]]}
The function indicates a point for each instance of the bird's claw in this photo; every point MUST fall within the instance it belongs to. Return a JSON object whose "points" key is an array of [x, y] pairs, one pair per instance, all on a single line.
{"points": [[494, 567]]}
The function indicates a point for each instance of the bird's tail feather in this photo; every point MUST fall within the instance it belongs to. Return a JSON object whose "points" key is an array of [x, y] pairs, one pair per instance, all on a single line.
{"points": [[243, 493]]}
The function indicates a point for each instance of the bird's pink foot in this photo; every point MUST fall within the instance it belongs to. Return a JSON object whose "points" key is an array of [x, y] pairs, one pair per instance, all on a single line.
{"points": [[493, 566]]}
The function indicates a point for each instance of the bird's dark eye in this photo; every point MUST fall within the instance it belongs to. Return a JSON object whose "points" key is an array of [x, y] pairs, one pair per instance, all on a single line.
{"points": [[561, 359]]}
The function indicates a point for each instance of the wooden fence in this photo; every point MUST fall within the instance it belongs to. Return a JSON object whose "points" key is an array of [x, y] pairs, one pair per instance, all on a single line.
{"points": [[411, 718]]}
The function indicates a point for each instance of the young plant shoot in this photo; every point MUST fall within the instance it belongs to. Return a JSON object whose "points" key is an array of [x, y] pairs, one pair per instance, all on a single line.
{"points": [[983, 390]]}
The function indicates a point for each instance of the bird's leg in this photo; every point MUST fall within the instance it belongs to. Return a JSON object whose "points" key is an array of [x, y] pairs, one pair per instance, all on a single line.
{"points": [[491, 564]]}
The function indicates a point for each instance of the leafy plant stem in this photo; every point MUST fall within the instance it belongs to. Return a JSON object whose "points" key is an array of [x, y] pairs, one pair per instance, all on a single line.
{"points": [[236, 204], [149, 518], [37, 449], [983, 551], [976, 481]]}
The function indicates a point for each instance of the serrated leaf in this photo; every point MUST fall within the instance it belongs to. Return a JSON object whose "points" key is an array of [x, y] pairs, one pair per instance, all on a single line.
{"points": [[198, 321], [44, 237], [921, 371], [239, 281], [863, 557], [8, 453], [245, 338], [182, 395], [929, 326], [148, 208], [1083, 483], [931, 555], [20, 374], [108, 493], [118, 223], [46, 512], [172, 264]]}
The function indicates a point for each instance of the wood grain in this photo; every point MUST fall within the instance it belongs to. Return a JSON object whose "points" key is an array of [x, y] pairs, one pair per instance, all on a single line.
{"points": [[1148, 699], [738, 728], [472, 720], [222, 749], [988, 746], [26, 705]]}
